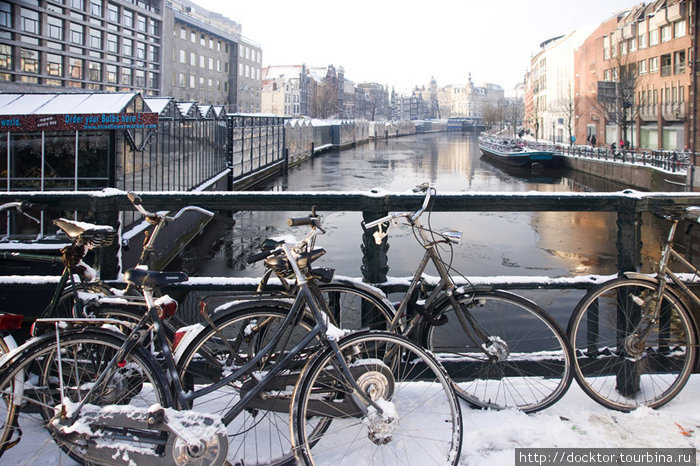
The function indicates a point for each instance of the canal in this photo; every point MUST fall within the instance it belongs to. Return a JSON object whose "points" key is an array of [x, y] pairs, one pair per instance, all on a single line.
{"points": [[552, 244]]}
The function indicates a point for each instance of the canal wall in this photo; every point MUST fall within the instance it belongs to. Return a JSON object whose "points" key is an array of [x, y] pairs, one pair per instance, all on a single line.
{"points": [[641, 177]]}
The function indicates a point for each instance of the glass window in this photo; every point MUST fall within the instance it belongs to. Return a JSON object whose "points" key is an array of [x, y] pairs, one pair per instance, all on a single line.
{"points": [[653, 37], [654, 64], [153, 80], [127, 47], [181, 80], [202, 61], [30, 21], [679, 28], [642, 67], [5, 15], [111, 73], [128, 18], [193, 36], [126, 76], [75, 68], [666, 33], [192, 84], [153, 53], [193, 59], [55, 27], [95, 38], [113, 13], [202, 40], [96, 8], [183, 56], [95, 71], [633, 44], [642, 41], [76, 33], [54, 65], [211, 63], [29, 61], [5, 57], [201, 82], [183, 33], [77, 4], [141, 23], [112, 43], [140, 50]]}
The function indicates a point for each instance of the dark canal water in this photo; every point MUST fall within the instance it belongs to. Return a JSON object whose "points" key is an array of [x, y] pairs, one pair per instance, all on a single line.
{"points": [[553, 244]]}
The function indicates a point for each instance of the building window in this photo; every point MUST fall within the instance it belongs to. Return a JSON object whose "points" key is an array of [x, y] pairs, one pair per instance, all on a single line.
{"points": [[181, 80], [202, 61], [77, 4], [153, 53], [5, 57], [666, 33], [653, 37], [95, 71], [201, 82], [679, 62], [211, 43], [126, 76], [5, 15], [202, 40], [140, 50], [666, 65], [642, 41], [679, 28], [29, 61], [218, 46], [183, 33], [127, 47], [111, 74], [141, 23], [183, 56], [240, 69], [112, 43], [113, 13], [642, 67], [140, 78], [193, 37], [218, 65], [30, 21], [192, 83], [75, 68], [95, 39], [55, 27], [152, 80], [96, 8], [54, 65], [193, 59], [76, 33], [607, 75], [128, 18], [654, 64]]}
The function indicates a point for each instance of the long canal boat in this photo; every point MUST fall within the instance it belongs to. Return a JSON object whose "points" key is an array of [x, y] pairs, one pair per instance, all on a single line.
{"points": [[514, 153]]}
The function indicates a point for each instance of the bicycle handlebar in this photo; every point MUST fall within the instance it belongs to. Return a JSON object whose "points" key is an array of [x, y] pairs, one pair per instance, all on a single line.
{"points": [[155, 217], [429, 193]]}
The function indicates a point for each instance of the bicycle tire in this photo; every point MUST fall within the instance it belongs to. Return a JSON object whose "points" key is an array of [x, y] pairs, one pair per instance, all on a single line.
{"points": [[257, 435], [532, 368], [84, 354], [353, 307], [421, 422], [624, 377]]}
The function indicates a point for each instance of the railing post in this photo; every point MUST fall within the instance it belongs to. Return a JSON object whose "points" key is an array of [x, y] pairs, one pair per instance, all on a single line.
{"points": [[107, 258], [375, 262], [629, 237]]}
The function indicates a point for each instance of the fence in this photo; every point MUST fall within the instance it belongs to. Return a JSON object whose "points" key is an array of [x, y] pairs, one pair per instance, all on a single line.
{"points": [[675, 162]]}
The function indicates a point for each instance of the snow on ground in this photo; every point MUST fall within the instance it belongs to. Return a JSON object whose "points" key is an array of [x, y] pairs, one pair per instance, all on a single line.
{"points": [[576, 421]]}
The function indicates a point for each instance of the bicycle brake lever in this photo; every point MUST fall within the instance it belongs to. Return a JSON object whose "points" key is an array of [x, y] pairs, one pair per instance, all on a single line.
{"points": [[379, 235]]}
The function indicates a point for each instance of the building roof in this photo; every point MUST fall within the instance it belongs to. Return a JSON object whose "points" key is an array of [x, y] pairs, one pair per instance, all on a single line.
{"points": [[54, 104]]}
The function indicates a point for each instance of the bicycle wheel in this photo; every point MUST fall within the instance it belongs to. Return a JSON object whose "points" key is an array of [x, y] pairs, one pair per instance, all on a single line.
{"points": [[260, 434], [30, 390], [420, 422], [616, 366], [354, 307], [527, 364]]}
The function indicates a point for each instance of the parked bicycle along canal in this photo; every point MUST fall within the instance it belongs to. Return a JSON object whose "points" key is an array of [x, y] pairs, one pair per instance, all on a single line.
{"points": [[552, 244]]}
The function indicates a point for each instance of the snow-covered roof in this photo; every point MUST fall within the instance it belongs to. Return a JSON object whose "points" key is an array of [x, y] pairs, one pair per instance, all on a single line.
{"points": [[53, 104], [186, 108], [158, 104], [286, 71]]}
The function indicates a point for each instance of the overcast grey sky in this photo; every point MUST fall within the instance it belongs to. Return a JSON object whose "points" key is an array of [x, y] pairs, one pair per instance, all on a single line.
{"points": [[405, 42]]}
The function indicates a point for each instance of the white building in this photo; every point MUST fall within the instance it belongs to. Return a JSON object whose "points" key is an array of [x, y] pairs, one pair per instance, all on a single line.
{"points": [[281, 92], [468, 100]]}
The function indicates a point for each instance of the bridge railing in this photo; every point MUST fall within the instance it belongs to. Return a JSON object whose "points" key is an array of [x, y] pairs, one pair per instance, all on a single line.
{"points": [[628, 205], [671, 161]]}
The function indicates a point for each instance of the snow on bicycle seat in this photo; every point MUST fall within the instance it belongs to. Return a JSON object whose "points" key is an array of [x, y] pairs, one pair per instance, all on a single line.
{"points": [[142, 277], [74, 229]]}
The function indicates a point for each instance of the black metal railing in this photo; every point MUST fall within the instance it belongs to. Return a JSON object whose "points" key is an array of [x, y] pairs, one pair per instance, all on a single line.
{"points": [[672, 161]]}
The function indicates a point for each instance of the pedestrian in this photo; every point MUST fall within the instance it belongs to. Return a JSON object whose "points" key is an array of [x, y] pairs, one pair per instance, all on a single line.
{"points": [[588, 139], [593, 141], [622, 144], [612, 148]]}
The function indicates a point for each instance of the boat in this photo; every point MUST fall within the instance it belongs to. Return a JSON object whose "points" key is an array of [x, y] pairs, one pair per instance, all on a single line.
{"points": [[514, 152]]}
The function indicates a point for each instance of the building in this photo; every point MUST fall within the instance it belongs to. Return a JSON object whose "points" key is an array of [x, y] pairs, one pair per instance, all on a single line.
{"points": [[154, 47], [552, 92], [281, 90], [468, 101], [87, 45], [634, 77]]}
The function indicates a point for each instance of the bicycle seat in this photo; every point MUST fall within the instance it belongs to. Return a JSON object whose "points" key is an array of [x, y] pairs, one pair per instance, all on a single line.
{"points": [[141, 277], [94, 235]]}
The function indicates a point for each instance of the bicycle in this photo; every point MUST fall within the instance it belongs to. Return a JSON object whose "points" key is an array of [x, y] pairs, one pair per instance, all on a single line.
{"points": [[371, 388], [634, 336], [501, 350]]}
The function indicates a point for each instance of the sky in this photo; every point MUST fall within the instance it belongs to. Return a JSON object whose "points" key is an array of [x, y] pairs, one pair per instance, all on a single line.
{"points": [[403, 43]]}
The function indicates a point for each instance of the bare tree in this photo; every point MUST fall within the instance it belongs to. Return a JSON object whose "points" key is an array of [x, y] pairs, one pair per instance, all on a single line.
{"points": [[566, 108], [616, 97], [514, 113], [491, 115], [325, 102]]}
